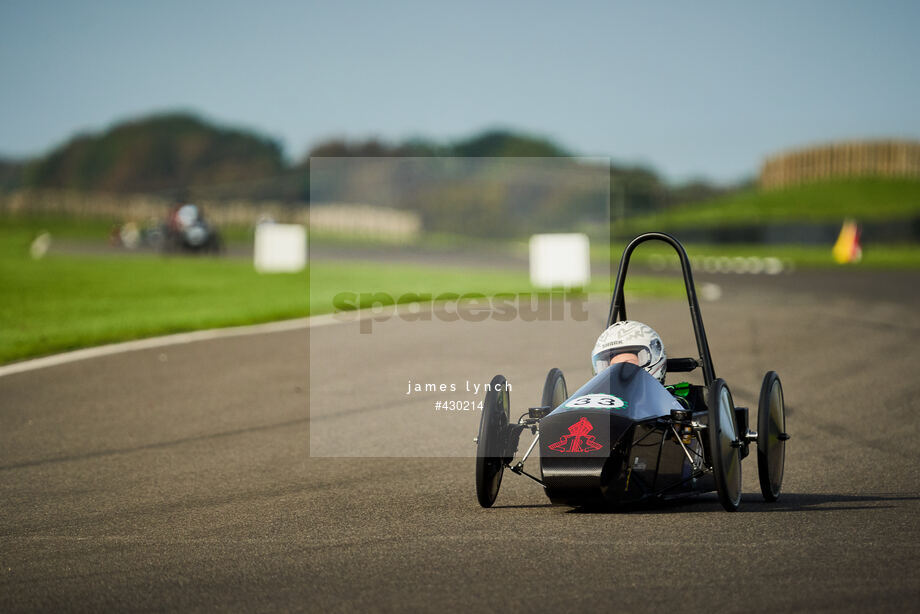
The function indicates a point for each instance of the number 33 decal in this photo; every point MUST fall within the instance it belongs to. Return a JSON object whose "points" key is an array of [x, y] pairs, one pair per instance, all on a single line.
{"points": [[597, 401]]}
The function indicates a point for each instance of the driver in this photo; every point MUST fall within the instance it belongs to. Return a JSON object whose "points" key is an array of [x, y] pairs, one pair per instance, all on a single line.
{"points": [[630, 341]]}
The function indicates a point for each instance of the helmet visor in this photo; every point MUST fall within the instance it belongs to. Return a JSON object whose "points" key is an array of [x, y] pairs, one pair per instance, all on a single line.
{"points": [[637, 354]]}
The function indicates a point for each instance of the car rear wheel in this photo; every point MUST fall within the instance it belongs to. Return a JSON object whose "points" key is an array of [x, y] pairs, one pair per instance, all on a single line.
{"points": [[724, 445], [771, 436]]}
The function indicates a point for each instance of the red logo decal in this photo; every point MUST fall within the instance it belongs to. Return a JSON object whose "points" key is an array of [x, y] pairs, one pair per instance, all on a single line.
{"points": [[578, 439]]}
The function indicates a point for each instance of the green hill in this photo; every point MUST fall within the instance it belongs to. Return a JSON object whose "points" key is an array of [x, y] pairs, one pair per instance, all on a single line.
{"points": [[156, 153], [865, 199]]}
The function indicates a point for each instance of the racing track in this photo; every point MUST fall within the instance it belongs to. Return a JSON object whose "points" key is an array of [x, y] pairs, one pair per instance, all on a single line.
{"points": [[179, 478]]}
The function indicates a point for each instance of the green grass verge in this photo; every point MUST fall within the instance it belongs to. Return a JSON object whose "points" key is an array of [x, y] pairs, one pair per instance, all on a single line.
{"points": [[865, 199], [64, 302], [23, 228], [93, 230]]}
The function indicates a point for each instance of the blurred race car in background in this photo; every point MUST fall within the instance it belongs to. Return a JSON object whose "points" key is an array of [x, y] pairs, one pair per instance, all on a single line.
{"points": [[186, 229]]}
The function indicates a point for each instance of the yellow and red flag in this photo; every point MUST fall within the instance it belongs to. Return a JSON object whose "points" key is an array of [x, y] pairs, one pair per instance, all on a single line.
{"points": [[847, 248]]}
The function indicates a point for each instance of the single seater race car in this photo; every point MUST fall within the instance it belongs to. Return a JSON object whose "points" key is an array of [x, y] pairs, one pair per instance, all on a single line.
{"points": [[624, 437]]}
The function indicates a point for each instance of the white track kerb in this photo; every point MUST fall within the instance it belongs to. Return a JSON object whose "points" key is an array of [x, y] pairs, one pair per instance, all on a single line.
{"points": [[149, 343], [167, 340], [325, 319]]}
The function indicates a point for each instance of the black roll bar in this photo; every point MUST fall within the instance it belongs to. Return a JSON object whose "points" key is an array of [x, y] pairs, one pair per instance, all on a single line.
{"points": [[618, 303]]}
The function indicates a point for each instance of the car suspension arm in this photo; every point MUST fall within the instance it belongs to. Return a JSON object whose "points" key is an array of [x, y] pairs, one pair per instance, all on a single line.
{"points": [[518, 467]]}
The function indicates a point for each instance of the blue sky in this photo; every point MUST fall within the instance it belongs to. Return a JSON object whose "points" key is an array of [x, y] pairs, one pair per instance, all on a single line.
{"points": [[690, 88]]}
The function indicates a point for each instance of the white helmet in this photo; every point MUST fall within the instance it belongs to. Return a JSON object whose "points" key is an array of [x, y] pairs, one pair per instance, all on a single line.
{"points": [[631, 337]]}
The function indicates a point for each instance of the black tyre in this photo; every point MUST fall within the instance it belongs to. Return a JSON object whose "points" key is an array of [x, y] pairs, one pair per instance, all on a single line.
{"points": [[724, 448], [771, 436], [493, 441], [555, 391]]}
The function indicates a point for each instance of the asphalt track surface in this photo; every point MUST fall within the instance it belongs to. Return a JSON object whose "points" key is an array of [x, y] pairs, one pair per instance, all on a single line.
{"points": [[181, 478]]}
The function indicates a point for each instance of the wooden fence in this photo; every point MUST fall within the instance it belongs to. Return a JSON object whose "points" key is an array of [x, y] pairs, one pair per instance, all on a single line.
{"points": [[852, 159]]}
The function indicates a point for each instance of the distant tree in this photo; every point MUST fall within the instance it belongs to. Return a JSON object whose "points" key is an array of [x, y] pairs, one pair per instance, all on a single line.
{"points": [[694, 191], [502, 143], [494, 143], [11, 173], [155, 154], [341, 148], [635, 189], [374, 148], [171, 152]]}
